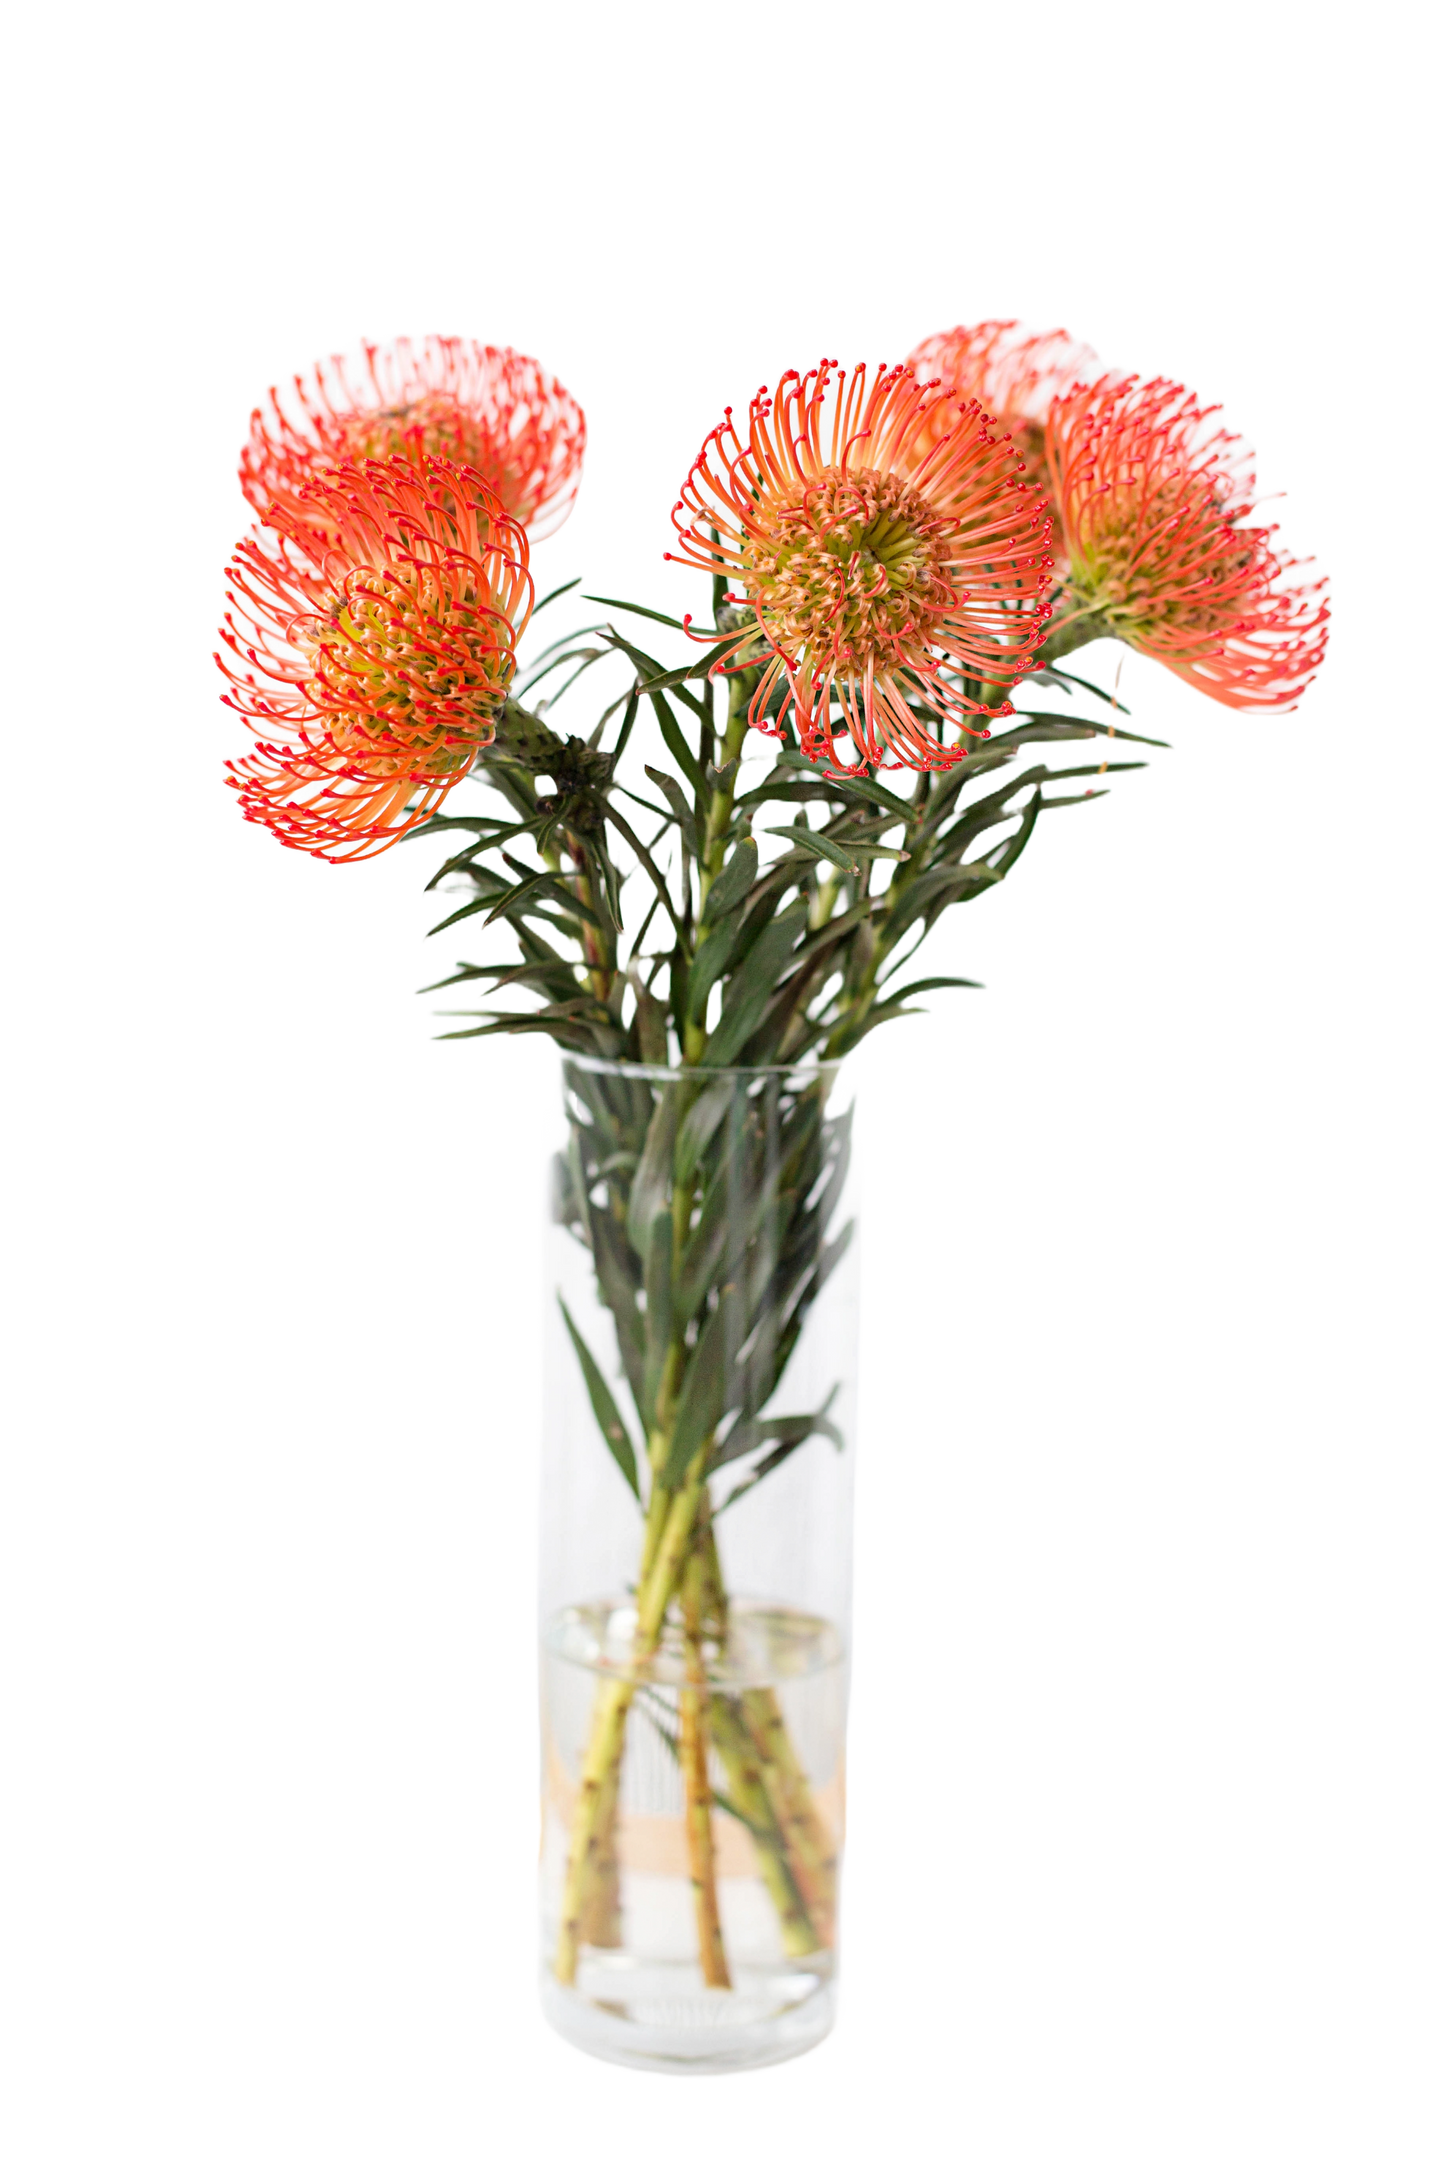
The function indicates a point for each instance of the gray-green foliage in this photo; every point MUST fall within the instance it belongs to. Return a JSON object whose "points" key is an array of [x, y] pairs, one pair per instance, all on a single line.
{"points": [[709, 1205], [744, 960], [650, 929]]}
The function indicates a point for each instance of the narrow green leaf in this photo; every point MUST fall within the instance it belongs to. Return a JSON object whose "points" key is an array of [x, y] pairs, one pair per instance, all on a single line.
{"points": [[747, 992], [458, 915], [941, 983], [566, 1206], [627, 701], [619, 1279], [1127, 764], [651, 673], [645, 859], [466, 881], [850, 786], [698, 1125], [484, 831], [830, 1259], [733, 883], [610, 602], [661, 900], [574, 1038], [543, 975], [547, 889], [746, 1436], [701, 710], [1013, 850], [681, 810], [477, 823], [579, 1007], [946, 791], [973, 814], [700, 1404], [1095, 794], [565, 589], [1050, 673], [1043, 726], [764, 1468], [817, 846], [944, 884], [604, 1407], [886, 1012], [674, 680], [652, 1181], [676, 743], [547, 657], [573, 679], [709, 964]]}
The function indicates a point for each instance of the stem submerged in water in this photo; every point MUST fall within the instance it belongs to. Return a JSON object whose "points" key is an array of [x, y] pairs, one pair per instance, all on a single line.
{"points": [[603, 1759], [812, 1860], [601, 1921], [748, 1794], [692, 1752], [600, 1769]]}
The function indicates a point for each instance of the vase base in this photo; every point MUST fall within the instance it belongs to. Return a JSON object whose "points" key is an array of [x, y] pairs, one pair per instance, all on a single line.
{"points": [[660, 2017]]}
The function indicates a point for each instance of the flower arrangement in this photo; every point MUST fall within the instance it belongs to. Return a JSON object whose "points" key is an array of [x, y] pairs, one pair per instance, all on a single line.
{"points": [[900, 560]]}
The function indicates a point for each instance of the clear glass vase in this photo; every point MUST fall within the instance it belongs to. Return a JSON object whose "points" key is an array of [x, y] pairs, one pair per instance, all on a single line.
{"points": [[696, 1561]]}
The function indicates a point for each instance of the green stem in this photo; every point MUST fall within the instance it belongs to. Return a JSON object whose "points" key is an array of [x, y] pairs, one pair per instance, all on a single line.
{"points": [[658, 1500], [603, 1758], [599, 1768], [602, 1908], [811, 1857], [714, 1595], [720, 805], [824, 898], [714, 837], [693, 1705], [1070, 629], [749, 1795]]}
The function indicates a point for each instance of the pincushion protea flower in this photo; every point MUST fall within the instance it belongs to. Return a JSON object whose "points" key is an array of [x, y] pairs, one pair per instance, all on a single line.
{"points": [[1155, 506], [379, 622], [890, 552], [486, 407]]}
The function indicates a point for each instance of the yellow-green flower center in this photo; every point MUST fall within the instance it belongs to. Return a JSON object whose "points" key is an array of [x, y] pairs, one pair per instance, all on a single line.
{"points": [[849, 565], [434, 426], [1161, 560], [406, 672]]}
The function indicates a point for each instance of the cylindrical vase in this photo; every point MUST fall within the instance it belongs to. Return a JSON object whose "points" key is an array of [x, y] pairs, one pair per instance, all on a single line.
{"points": [[696, 1561]]}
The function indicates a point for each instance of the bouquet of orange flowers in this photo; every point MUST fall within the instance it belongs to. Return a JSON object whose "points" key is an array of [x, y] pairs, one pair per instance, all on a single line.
{"points": [[900, 560]]}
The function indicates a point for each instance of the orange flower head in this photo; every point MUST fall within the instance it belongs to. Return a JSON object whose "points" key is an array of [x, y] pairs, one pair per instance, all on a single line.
{"points": [[481, 406], [1155, 505], [883, 579], [1013, 374], [373, 632]]}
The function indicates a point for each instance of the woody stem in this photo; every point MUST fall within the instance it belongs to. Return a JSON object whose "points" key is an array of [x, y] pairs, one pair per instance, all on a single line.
{"points": [[603, 1758], [692, 1753]]}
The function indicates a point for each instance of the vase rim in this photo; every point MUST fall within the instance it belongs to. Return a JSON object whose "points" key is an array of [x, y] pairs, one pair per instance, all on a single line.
{"points": [[657, 1072]]}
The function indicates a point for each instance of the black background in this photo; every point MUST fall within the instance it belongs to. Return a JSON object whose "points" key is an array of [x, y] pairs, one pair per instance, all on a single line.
{"points": [[1071, 1492]]}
